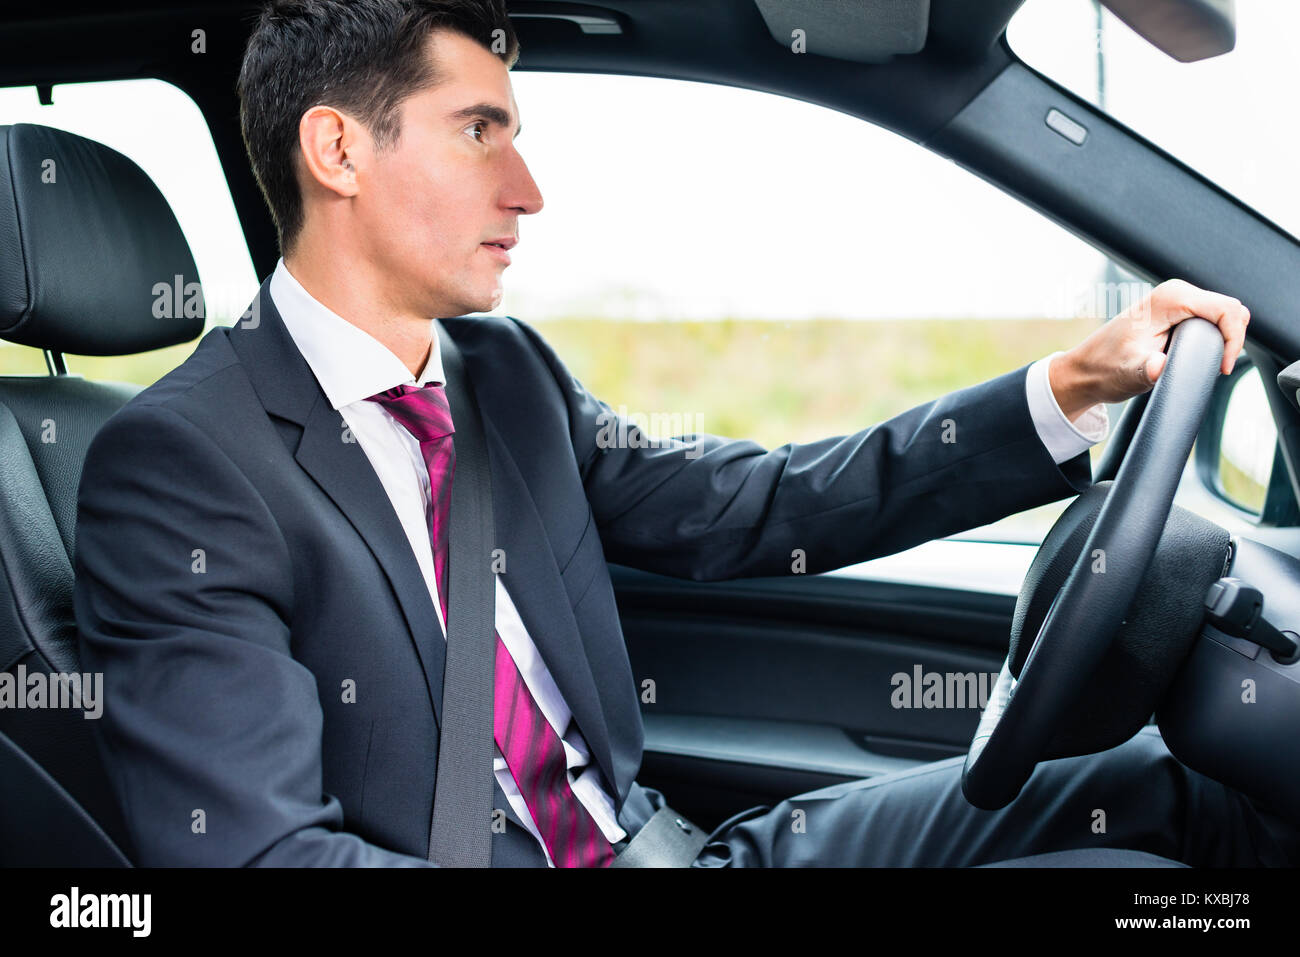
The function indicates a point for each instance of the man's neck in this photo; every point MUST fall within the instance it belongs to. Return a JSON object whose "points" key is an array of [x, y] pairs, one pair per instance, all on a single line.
{"points": [[409, 337]]}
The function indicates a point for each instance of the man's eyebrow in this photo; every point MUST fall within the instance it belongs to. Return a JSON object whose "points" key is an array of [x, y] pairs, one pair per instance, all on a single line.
{"points": [[488, 112]]}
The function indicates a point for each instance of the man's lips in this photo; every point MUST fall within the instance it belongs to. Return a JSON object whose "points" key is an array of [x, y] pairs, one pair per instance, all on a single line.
{"points": [[500, 247]]}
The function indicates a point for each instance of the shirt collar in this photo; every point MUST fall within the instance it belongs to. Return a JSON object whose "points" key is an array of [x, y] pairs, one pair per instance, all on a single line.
{"points": [[350, 364]]}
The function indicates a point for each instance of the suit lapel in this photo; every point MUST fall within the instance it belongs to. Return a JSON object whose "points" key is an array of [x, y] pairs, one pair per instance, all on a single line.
{"points": [[287, 387]]}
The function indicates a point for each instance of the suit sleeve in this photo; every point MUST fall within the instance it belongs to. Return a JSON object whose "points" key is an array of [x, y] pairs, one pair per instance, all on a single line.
{"points": [[184, 593], [709, 508]]}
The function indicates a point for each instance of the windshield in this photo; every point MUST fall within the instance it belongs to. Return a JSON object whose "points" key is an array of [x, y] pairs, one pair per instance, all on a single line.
{"points": [[1231, 118]]}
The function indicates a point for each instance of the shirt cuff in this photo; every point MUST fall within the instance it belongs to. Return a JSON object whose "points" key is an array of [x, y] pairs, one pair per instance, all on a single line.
{"points": [[1064, 439]]}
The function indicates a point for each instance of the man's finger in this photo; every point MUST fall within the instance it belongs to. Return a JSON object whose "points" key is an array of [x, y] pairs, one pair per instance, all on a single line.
{"points": [[1224, 311]]}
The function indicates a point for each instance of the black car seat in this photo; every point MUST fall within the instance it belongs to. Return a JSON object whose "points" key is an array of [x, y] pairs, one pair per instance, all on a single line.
{"points": [[87, 245]]}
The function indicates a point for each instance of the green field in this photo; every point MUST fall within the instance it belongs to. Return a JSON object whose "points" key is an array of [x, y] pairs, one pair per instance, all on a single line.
{"points": [[778, 382]]}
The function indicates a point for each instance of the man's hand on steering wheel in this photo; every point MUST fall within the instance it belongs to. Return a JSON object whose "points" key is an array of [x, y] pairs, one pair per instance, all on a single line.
{"points": [[1124, 357]]}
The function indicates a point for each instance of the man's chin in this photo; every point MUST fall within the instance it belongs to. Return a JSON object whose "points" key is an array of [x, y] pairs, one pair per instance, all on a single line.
{"points": [[471, 307], [479, 298]]}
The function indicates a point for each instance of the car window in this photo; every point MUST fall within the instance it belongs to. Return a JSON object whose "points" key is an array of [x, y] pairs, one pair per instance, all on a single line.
{"points": [[161, 128], [765, 268], [1228, 117]]}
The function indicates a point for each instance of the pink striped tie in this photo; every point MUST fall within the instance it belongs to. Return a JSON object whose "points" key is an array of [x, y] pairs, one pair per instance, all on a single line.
{"points": [[532, 749]]}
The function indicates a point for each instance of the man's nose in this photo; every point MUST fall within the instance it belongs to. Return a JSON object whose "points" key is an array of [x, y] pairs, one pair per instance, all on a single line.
{"points": [[522, 192]]}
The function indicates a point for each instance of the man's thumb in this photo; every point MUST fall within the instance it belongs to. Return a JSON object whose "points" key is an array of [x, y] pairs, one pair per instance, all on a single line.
{"points": [[1154, 365]]}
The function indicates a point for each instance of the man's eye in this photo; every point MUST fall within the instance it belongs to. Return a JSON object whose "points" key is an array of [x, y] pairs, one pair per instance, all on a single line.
{"points": [[478, 126]]}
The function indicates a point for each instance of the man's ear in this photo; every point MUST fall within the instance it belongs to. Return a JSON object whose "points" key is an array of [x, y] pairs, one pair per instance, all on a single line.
{"points": [[328, 141]]}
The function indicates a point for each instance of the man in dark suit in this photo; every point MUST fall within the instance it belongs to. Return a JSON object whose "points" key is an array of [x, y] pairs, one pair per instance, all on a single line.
{"points": [[261, 539]]}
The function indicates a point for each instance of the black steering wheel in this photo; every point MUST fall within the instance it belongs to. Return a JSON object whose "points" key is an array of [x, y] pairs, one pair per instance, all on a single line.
{"points": [[1022, 715]]}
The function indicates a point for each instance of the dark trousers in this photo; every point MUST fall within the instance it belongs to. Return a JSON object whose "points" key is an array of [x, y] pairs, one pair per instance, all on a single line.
{"points": [[1136, 796]]}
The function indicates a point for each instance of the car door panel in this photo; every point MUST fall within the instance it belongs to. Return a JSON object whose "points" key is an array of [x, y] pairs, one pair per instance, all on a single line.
{"points": [[755, 690]]}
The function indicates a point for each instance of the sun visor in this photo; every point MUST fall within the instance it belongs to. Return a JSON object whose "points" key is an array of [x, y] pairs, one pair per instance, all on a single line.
{"points": [[867, 31]]}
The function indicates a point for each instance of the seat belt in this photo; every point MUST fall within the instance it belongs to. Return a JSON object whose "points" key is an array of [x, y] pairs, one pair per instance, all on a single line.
{"points": [[460, 834], [668, 839]]}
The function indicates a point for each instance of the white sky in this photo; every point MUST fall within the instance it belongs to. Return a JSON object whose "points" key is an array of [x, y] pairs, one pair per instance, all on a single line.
{"points": [[670, 199]]}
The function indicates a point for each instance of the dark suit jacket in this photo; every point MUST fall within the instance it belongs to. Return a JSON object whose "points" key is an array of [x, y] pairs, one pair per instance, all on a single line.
{"points": [[239, 567]]}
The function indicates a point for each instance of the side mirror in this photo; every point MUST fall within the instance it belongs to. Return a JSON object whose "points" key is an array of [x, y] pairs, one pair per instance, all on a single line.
{"points": [[1187, 30], [1236, 449]]}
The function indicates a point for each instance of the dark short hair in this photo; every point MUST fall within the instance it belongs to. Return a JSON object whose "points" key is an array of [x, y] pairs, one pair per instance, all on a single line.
{"points": [[363, 57]]}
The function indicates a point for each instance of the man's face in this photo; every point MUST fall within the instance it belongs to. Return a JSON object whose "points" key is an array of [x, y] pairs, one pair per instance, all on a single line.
{"points": [[452, 183]]}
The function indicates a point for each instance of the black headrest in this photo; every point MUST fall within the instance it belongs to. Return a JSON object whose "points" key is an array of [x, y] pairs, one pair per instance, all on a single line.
{"points": [[90, 251]]}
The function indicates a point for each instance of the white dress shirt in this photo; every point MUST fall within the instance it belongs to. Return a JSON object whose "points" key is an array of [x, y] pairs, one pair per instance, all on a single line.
{"points": [[352, 365]]}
